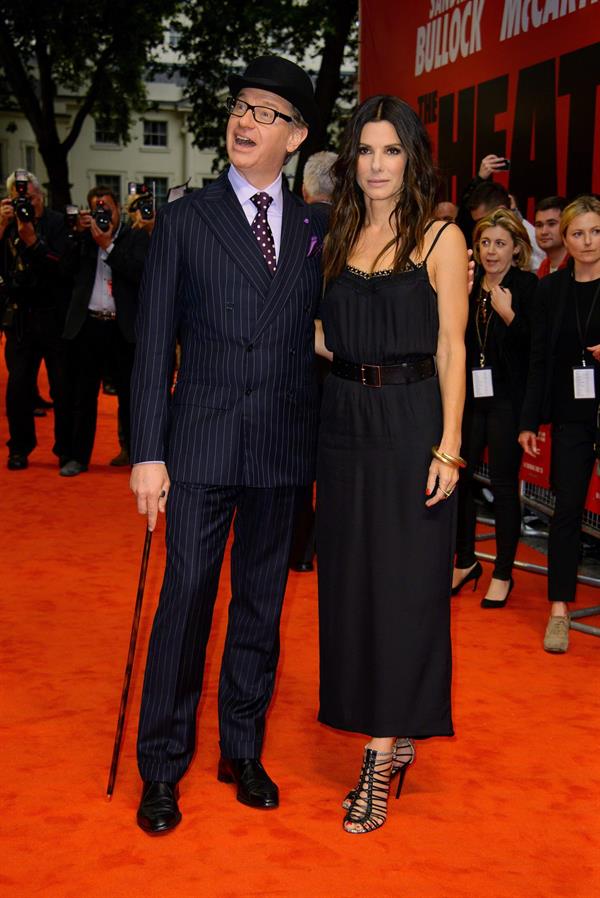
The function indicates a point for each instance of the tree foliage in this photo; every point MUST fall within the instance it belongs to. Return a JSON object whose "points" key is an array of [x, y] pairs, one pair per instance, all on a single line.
{"points": [[97, 50], [216, 38]]}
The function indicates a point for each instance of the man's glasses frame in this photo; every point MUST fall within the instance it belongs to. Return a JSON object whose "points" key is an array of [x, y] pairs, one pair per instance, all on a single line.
{"points": [[264, 115]]}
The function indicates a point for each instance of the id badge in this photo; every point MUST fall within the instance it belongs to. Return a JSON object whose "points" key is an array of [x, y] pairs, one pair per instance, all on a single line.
{"points": [[584, 386], [483, 385]]}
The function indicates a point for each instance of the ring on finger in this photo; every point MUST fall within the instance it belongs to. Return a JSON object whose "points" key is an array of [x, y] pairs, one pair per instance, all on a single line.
{"points": [[163, 494], [447, 493]]}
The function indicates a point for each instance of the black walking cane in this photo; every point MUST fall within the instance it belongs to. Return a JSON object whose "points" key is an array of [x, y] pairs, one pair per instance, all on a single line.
{"points": [[129, 666]]}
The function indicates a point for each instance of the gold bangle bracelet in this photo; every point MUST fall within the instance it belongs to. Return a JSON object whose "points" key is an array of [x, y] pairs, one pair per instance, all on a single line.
{"points": [[455, 460]]}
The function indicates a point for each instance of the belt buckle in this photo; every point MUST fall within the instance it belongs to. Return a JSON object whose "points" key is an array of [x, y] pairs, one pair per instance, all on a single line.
{"points": [[362, 375]]}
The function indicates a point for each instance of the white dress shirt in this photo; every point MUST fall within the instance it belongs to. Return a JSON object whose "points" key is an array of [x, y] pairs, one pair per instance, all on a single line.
{"points": [[244, 191], [101, 299]]}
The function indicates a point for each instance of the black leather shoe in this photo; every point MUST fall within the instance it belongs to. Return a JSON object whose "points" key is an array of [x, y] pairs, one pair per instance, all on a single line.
{"points": [[254, 786], [158, 811], [17, 462]]}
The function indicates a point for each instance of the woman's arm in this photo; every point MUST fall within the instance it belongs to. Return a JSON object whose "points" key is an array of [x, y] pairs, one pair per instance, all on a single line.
{"points": [[320, 348], [448, 270]]}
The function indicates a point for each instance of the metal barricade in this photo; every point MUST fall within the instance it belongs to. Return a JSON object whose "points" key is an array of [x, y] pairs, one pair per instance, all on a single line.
{"points": [[542, 501]]}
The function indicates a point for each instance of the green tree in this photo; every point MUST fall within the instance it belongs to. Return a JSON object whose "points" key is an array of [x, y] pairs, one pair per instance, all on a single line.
{"points": [[97, 50], [217, 37]]}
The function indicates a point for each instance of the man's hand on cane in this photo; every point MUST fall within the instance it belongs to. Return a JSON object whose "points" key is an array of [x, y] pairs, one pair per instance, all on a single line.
{"points": [[150, 484]]}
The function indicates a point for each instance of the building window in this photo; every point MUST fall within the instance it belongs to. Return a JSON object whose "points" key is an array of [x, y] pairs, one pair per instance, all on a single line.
{"points": [[113, 182], [173, 36], [29, 160], [155, 133], [104, 133], [160, 189]]}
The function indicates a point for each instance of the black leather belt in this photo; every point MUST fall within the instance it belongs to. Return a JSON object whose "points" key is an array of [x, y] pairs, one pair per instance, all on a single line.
{"points": [[382, 375], [102, 316]]}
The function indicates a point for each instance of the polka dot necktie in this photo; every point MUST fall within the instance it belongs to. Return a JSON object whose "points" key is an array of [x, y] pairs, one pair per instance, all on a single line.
{"points": [[262, 229]]}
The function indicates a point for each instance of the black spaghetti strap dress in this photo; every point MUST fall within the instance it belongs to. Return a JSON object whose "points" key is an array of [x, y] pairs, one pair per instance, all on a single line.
{"points": [[384, 559]]}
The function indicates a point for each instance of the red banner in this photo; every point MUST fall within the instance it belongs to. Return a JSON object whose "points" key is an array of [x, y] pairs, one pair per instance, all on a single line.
{"points": [[517, 78]]}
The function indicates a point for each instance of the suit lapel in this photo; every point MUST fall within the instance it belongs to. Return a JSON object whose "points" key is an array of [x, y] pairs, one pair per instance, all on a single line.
{"points": [[220, 210], [295, 234]]}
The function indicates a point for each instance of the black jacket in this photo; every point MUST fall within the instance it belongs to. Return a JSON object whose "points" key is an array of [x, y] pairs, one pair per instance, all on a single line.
{"points": [[127, 263], [512, 341], [549, 307], [34, 276]]}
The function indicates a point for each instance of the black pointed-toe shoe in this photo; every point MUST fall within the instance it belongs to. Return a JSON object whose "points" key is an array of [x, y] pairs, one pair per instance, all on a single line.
{"points": [[158, 812], [254, 786], [492, 603], [474, 574]]}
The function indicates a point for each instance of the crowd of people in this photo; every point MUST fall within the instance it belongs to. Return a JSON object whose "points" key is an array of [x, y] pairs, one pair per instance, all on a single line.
{"points": [[430, 363], [69, 291]]}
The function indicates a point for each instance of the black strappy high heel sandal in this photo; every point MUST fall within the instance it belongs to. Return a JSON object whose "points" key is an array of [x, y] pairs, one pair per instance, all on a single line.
{"points": [[368, 810], [403, 757]]}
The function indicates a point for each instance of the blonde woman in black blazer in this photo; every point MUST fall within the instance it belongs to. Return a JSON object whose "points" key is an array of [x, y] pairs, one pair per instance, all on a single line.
{"points": [[497, 340], [563, 388]]}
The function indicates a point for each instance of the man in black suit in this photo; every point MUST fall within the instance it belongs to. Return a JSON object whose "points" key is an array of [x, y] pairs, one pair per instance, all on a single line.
{"points": [[33, 301], [234, 271], [107, 264]]}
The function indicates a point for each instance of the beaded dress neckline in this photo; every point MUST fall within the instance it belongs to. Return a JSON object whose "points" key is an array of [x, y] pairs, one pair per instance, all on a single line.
{"points": [[383, 272]]}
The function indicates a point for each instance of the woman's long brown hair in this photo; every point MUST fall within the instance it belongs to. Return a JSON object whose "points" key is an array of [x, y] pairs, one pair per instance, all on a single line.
{"points": [[416, 200]]}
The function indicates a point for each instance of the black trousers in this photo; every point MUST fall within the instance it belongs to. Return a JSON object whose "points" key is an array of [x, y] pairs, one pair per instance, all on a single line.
{"points": [[36, 337], [490, 423], [303, 540], [571, 468], [99, 346], [198, 522]]}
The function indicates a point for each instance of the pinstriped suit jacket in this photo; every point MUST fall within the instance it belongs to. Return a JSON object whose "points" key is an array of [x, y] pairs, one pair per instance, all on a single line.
{"points": [[244, 411]]}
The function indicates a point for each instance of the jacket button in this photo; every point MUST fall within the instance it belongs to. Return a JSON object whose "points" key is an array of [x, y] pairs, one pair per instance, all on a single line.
{"points": [[249, 347], [292, 352], [248, 392]]}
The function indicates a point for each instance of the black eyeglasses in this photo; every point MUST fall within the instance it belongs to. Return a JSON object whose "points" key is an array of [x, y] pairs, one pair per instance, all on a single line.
{"points": [[264, 115]]}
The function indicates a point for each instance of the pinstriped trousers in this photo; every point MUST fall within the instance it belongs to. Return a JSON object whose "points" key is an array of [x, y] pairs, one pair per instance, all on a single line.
{"points": [[198, 522]]}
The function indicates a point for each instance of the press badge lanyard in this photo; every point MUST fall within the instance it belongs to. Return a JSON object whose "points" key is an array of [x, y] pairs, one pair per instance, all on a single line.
{"points": [[483, 385], [584, 386]]}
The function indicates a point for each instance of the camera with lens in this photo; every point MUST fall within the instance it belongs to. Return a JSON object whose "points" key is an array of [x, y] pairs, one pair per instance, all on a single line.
{"points": [[102, 215], [144, 204], [22, 203]]}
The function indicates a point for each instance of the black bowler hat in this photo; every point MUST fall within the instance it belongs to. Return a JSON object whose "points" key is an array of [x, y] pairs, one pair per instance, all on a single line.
{"points": [[281, 77]]}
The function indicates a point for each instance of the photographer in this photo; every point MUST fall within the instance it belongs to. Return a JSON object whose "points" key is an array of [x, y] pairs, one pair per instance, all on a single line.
{"points": [[140, 208], [483, 195], [33, 240], [107, 265]]}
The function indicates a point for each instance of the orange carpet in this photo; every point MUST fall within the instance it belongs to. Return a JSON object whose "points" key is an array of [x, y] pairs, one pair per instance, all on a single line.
{"points": [[506, 809]]}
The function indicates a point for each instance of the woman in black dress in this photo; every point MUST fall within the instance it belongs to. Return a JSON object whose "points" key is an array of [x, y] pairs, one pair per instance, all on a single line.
{"points": [[497, 339], [564, 388], [392, 319]]}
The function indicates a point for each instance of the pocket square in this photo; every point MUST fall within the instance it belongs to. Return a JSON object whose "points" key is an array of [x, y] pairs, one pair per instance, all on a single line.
{"points": [[314, 247]]}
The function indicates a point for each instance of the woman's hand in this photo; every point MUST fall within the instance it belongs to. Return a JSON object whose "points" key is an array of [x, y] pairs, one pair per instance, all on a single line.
{"points": [[528, 442], [502, 303], [446, 478], [595, 350]]}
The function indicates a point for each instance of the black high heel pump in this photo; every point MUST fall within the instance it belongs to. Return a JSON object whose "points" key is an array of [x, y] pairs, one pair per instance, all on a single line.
{"points": [[474, 574], [490, 603]]}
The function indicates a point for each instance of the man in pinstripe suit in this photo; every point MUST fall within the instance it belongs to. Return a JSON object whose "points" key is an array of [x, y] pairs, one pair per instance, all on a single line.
{"points": [[233, 270]]}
